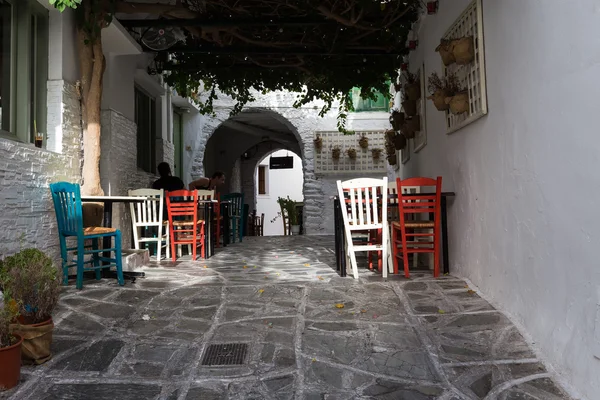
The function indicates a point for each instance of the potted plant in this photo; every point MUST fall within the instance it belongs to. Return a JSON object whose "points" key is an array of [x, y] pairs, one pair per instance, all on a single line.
{"points": [[318, 141], [351, 154], [411, 126], [10, 344], [31, 278], [439, 89], [459, 103], [291, 208], [399, 141], [335, 153], [410, 107], [445, 49], [396, 119], [463, 50], [412, 87], [376, 153], [363, 142]]}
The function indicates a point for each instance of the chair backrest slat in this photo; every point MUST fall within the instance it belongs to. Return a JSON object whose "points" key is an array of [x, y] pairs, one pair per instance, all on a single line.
{"points": [[67, 206], [150, 210], [182, 203], [413, 201], [236, 200], [363, 201]]}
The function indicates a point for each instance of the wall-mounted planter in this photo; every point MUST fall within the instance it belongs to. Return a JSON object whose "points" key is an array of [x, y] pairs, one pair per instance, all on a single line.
{"points": [[318, 143], [397, 119], [458, 103], [399, 142], [413, 91], [351, 154], [335, 153], [463, 50], [363, 142], [410, 108], [445, 49], [392, 159], [413, 125], [439, 100], [376, 153]]}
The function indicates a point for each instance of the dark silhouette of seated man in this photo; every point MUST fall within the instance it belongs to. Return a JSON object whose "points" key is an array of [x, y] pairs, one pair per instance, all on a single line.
{"points": [[167, 181]]}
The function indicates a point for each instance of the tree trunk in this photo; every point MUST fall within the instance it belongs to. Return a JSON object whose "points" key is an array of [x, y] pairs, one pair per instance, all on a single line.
{"points": [[92, 64]]}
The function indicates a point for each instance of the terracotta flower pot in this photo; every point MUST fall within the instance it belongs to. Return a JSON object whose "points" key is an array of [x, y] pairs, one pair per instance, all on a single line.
{"points": [[439, 100], [413, 91], [463, 50], [392, 159], [363, 142], [351, 154], [335, 154], [458, 103], [410, 108], [10, 364], [37, 339]]}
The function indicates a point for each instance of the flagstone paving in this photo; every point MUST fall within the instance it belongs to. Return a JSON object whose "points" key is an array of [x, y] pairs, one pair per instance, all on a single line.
{"points": [[310, 334]]}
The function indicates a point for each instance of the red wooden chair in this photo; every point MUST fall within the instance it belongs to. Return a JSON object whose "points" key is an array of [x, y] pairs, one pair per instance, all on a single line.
{"points": [[417, 235], [184, 224]]}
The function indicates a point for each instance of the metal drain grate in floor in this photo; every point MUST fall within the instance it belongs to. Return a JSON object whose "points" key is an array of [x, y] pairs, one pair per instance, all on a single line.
{"points": [[225, 354]]}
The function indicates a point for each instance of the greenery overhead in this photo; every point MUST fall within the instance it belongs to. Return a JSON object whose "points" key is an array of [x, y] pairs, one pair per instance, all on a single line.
{"points": [[320, 49]]}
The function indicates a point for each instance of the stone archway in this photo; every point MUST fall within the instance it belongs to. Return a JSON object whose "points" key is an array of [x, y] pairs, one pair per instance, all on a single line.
{"points": [[301, 123]]}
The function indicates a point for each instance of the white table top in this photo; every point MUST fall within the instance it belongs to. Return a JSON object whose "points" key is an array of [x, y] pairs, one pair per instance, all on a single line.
{"points": [[113, 198]]}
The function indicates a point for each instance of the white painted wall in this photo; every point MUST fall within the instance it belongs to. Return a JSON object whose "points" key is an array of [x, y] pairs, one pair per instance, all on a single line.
{"points": [[524, 224], [279, 183]]}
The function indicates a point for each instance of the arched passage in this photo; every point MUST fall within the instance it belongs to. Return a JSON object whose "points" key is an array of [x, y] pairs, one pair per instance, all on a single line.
{"points": [[274, 183], [238, 144]]}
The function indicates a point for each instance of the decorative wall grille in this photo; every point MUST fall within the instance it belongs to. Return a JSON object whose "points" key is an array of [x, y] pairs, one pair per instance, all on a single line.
{"points": [[471, 76], [364, 163]]}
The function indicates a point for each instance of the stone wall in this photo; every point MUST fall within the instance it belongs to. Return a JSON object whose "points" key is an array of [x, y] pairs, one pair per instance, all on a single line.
{"points": [[118, 165], [27, 213]]}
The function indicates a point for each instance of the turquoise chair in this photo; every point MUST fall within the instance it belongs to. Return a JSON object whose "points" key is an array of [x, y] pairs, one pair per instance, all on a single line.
{"points": [[69, 216], [236, 215]]}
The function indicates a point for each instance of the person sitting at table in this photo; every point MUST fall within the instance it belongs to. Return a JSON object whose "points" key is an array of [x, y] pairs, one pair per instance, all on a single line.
{"points": [[217, 179], [167, 181]]}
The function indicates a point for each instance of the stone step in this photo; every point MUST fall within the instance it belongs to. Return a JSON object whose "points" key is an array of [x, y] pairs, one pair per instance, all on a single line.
{"points": [[135, 260]]}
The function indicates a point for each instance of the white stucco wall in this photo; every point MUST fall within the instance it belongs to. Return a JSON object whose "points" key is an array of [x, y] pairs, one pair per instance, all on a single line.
{"points": [[523, 226], [279, 183]]}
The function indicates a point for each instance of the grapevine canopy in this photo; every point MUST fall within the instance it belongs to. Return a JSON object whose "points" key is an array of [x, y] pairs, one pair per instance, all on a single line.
{"points": [[319, 48]]}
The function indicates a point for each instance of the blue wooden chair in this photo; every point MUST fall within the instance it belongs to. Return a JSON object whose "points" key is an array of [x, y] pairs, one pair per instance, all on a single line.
{"points": [[236, 214], [67, 204]]}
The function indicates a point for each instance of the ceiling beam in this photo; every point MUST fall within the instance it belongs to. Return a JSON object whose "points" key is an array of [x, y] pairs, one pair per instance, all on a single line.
{"points": [[227, 23], [247, 50]]}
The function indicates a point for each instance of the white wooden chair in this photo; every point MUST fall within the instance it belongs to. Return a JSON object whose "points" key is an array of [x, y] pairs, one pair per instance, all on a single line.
{"points": [[150, 214], [366, 213], [393, 189]]}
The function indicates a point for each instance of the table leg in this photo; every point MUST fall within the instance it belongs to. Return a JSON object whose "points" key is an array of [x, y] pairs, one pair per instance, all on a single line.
{"points": [[226, 233], [106, 241], [340, 257], [444, 221]]}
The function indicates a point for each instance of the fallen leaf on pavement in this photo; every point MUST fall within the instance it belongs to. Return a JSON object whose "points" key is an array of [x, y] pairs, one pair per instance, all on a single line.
{"points": [[441, 312], [261, 291], [339, 305]]}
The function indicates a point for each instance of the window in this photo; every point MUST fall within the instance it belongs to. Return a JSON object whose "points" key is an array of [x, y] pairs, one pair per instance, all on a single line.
{"points": [[361, 105], [145, 118], [23, 68], [262, 179]]}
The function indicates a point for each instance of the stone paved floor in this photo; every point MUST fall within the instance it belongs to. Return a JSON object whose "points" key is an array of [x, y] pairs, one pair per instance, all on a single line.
{"points": [[414, 340]]}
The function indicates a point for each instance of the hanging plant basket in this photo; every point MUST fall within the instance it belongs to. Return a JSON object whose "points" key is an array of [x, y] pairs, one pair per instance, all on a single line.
{"points": [[459, 103], [463, 50], [363, 142], [399, 142], [396, 119], [389, 134], [410, 107], [407, 131], [413, 91], [413, 124], [335, 153], [392, 159], [445, 49], [439, 100], [318, 143], [376, 153], [351, 154]]}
